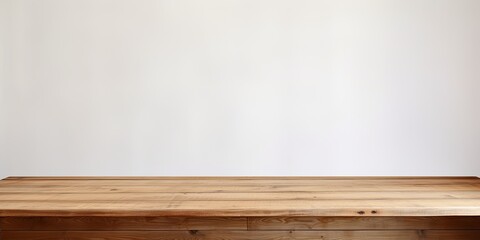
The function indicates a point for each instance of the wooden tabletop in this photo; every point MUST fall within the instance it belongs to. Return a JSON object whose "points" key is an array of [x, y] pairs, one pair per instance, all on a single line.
{"points": [[240, 196]]}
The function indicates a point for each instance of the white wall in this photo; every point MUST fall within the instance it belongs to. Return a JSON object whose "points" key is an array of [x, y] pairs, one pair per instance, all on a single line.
{"points": [[239, 87]]}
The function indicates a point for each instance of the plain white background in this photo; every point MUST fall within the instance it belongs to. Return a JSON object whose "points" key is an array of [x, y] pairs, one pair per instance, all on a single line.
{"points": [[239, 87]]}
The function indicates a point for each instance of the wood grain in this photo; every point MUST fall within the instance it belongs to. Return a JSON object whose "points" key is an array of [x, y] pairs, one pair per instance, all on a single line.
{"points": [[239, 196], [244, 235], [239, 223], [240, 208], [361, 223], [223, 187], [121, 223]]}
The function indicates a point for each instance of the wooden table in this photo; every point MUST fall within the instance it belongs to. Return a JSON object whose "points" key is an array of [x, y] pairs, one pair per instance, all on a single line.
{"points": [[257, 208]]}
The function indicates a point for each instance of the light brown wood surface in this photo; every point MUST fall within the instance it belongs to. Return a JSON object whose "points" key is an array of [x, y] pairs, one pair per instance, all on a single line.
{"points": [[234, 208], [239, 196]]}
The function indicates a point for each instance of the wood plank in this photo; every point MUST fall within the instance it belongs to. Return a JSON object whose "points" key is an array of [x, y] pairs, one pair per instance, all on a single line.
{"points": [[243, 235], [240, 223], [40, 235], [233, 188], [404, 207], [236, 196], [359, 223], [453, 235], [240, 196], [122, 223]]}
